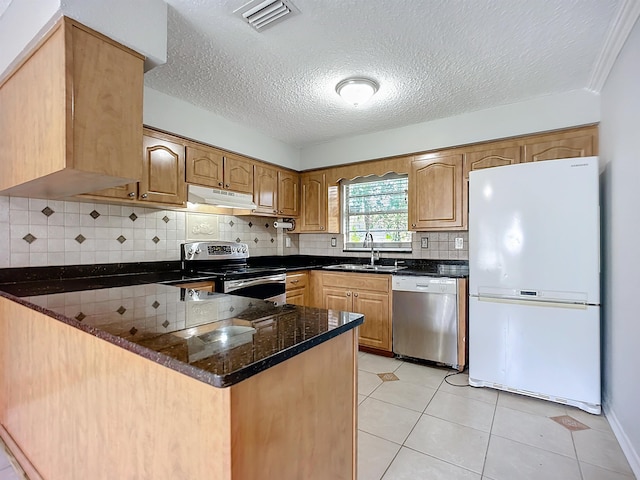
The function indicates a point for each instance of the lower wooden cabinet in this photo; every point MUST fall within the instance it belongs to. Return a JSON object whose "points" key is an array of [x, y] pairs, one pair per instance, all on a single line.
{"points": [[297, 291], [369, 294]]}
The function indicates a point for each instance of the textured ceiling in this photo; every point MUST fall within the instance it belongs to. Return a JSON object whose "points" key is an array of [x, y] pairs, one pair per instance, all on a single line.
{"points": [[432, 59]]}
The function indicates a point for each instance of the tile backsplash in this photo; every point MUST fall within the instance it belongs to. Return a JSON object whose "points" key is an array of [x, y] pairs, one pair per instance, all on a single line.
{"points": [[36, 232]]}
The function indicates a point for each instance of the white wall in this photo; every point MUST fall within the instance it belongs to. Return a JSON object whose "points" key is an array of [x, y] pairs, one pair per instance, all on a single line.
{"points": [[182, 118], [569, 109], [620, 152], [140, 24]]}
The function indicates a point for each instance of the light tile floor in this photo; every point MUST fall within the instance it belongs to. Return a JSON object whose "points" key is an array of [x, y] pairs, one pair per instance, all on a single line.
{"points": [[421, 427]]}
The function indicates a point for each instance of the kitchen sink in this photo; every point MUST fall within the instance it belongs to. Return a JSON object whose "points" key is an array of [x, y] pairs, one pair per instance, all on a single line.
{"points": [[359, 267]]}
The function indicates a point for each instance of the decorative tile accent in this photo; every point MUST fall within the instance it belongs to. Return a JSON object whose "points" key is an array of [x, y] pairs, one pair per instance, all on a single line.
{"points": [[133, 217], [570, 423], [95, 214], [155, 304], [273, 240], [80, 238], [256, 240], [155, 239], [121, 239], [238, 239], [166, 323], [133, 330], [388, 377], [165, 219], [121, 310], [80, 316], [47, 211], [231, 309], [29, 238], [231, 224], [250, 224]]}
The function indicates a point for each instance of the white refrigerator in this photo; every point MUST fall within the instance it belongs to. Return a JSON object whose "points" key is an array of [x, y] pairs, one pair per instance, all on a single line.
{"points": [[534, 280]]}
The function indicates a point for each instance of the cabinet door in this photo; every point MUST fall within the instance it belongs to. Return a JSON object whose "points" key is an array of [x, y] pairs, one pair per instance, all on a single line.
{"points": [[314, 202], [297, 296], [297, 288], [492, 157], [288, 194], [124, 192], [163, 176], [337, 299], [436, 194], [238, 173], [376, 330], [559, 146], [265, 186], [205, 166]]}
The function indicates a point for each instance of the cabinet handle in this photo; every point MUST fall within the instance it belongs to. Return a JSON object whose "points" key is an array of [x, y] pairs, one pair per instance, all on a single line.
{"points": [[413, 224], [348, 294], [227, 185], [355, 294], [144, 195], [295, 281], [275, 211], [280, 211], [321, 228], [132, 194], [220, 184]]}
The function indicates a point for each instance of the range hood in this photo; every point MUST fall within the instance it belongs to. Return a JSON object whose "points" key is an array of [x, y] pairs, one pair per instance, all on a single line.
{"points": [[220, 198]]}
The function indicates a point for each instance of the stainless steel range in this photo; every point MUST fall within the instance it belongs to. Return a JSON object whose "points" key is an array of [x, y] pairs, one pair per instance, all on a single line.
{"points": [[227, 262]]}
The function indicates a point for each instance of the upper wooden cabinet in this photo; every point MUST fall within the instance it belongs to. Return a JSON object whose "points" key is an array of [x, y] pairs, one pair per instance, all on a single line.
{"points": [[71, 116], [275, 192], [216, 168], [580, 143], [490, 156], [163, 176], [288, 193], [436, 196], [313, 202]]}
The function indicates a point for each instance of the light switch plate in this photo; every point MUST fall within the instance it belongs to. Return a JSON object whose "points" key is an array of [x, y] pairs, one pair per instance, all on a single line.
{"points": [[424, 242], [459, 243], [287, 242]]}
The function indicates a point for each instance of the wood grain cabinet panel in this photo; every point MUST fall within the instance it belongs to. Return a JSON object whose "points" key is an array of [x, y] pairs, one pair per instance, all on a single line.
{"points": [[560, 146], [492, 157], [435, 192], [163, 174], [204, 166], [238, 173], [297, 288], [313, 202], [71, 116], [288, 193], [369, 294], [265, 189]]}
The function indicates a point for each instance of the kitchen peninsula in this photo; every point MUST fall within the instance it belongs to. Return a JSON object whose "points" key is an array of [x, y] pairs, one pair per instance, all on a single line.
{"points": [[156, 381]]}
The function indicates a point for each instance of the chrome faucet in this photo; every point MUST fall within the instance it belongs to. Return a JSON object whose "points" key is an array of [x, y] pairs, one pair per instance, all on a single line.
{"points": [[368, 237]]}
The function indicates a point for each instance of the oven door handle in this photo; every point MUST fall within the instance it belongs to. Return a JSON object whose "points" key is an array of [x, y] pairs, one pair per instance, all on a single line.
{"points": [[236, 284]]}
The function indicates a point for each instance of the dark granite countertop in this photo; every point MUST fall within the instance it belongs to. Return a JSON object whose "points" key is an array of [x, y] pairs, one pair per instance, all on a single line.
{"points": [[216, 338]]}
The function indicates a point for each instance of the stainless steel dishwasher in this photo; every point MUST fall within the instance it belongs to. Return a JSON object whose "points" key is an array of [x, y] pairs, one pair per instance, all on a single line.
{"points": [[425, 318]]}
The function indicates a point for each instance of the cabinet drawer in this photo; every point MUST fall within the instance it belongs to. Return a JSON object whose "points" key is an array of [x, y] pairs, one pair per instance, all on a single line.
{"points": [[357, 281], [297, 280]]}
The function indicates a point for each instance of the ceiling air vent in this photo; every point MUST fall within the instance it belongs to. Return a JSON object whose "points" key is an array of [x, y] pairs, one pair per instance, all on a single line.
{"points": [[261, 14]]}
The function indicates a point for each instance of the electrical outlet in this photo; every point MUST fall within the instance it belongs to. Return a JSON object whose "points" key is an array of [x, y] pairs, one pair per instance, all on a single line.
{"points": [[287, 242], [424, 242], [459, 243], [334, 242]]}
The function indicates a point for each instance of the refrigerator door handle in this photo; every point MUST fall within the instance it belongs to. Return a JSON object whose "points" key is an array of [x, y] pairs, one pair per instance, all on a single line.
{"points": [[533, 303]]}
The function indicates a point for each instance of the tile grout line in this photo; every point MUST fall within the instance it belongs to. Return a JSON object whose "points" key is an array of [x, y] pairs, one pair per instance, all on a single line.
{"points": [[493, 419]]}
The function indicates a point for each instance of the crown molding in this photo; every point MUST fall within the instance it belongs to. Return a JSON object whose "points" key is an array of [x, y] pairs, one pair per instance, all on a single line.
{"points": [[620, 29]]}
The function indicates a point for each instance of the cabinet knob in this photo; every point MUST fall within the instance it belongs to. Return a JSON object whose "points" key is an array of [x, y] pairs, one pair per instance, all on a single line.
{"points": [[144, 195], [355, 294], [321, 228], [220, 184], [348, 294], [280, 211], [275, 211], [132, 194], [227, 185], [413, 224]]}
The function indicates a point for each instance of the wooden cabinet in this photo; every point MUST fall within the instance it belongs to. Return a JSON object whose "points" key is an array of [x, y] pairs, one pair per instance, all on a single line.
{"points": [[212, 167], [163, 169], [297, 291], [205, 285], [288, 193], [369, 294], [581, 143], [319, 204], [494, 155], [71, 115], [275, 192], [436, 194]]}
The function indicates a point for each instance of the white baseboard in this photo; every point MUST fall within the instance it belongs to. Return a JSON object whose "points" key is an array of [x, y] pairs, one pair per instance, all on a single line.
{"points": [[627, 447]]}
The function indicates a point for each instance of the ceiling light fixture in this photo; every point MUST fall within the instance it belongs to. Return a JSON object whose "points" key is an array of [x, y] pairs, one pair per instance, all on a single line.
{"points": [[357, 91]]}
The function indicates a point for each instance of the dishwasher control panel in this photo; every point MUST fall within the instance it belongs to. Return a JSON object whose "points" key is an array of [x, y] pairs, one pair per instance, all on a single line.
{"points": [[410, 283]]}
